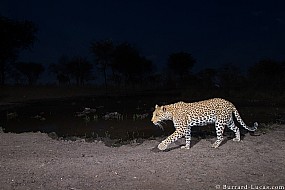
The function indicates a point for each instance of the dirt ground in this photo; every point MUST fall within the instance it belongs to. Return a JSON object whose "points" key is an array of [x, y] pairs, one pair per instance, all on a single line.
{"points": [[35, 161]]}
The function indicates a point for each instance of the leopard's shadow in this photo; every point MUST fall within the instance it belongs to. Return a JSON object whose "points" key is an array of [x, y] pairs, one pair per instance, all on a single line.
{"points": [[227, 137], [211, 137], [178, 145]]}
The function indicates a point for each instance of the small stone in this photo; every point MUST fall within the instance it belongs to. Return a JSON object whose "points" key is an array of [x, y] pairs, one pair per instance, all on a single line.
{"points": [[152, 171]]}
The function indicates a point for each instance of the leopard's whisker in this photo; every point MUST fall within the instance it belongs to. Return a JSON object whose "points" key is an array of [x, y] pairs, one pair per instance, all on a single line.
{"points": [[160, 126]]}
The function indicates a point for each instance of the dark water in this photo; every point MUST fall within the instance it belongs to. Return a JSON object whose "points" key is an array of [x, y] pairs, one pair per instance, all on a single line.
{"points": [[112, 117]]}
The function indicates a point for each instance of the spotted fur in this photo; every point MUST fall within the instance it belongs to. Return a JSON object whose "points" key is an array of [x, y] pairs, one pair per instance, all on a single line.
{"points": [[185, 115]]}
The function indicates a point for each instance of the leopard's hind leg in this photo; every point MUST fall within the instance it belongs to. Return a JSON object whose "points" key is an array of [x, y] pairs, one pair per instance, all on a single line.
{"points": [[219, 130], [235, 129]]}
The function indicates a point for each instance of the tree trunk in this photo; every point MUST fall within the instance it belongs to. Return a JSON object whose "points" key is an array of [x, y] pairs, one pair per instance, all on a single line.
{"points": [[105, 80], [2, 74]]}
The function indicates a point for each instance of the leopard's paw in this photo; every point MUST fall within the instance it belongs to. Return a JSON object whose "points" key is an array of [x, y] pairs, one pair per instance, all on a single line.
{"points": [[236, 139], [185, 147], [216, 144], [162, 146]]}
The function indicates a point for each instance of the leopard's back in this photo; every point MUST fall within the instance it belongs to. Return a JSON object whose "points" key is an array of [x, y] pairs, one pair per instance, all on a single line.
{"points": [[212, 107]]}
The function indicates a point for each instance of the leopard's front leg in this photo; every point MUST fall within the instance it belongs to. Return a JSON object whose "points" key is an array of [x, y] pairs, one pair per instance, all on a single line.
{"points": [[173, 137]]}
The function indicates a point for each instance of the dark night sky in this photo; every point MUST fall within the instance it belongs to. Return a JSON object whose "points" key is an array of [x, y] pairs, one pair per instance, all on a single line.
{"points": [[214, 32]]}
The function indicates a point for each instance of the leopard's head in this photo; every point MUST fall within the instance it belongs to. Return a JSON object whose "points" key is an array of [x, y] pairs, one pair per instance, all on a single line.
{"points": [[160, 114]]}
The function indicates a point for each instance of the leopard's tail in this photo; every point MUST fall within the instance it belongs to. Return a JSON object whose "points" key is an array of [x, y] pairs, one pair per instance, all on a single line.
{"points": [[237, 115]]}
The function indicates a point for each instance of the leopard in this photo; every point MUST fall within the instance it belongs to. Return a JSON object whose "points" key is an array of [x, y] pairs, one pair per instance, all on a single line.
{"points": [[184, 116]]}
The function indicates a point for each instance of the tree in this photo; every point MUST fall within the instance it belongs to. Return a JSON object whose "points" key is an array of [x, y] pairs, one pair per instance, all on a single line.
{"points": [[80, 69], [181, 63], [77, 68], [267, 74], [31, 71], [230, 78], [60, 70], [14, 37], [124, 60], [130, 64], [103, 51], [207, 78]]}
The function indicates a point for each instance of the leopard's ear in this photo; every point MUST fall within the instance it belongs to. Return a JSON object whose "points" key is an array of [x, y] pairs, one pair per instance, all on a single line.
{"points": [[163, 109], [156, 106]]}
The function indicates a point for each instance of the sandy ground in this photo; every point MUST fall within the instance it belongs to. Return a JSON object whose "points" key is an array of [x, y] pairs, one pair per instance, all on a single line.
{"points": [[35, 161]]}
